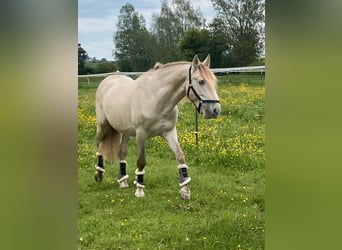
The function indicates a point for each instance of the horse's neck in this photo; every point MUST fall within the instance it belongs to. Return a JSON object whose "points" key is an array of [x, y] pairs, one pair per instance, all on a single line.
{"points": [[170, 86]]}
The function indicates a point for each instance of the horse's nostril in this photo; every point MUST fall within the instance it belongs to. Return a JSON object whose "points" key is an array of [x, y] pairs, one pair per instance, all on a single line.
{"points": [[215, 111]]}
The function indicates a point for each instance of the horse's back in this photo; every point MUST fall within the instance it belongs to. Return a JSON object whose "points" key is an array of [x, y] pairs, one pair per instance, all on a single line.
{"points": [[111, 86], [112, 81]]}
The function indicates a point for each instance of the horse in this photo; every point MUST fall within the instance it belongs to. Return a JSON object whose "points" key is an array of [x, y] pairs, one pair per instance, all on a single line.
{"points": [[147, 107]]}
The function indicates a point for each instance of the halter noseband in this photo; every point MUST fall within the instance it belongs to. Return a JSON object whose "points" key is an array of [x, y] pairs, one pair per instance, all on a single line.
{"points": [[197, 95]]}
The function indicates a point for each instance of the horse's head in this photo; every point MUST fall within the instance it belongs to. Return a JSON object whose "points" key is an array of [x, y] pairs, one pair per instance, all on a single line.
{"points": [[201, 88]]}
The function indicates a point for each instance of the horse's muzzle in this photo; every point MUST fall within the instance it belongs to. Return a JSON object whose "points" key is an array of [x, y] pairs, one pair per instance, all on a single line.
{"points": [[211, 110]]}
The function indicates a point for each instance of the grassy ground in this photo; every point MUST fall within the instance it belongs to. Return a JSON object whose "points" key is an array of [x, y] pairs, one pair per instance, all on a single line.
{"points": [[227, 209]]}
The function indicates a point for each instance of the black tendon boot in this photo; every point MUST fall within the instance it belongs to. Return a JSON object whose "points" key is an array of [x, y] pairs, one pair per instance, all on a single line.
{"points": [[184, 181], [123, 176], [139, 182], [99, 168], [183, 175]]}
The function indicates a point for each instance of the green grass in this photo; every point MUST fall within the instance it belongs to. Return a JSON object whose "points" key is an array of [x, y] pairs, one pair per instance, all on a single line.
{"points": [[227, 209]]}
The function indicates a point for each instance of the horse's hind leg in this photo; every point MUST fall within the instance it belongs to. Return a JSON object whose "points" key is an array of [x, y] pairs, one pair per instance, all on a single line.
{"points": [[123, 176], [184, 179], [102, 130]]}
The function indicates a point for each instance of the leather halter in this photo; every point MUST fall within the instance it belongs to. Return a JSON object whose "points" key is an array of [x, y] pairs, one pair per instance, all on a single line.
{"points": [[197, 95]]}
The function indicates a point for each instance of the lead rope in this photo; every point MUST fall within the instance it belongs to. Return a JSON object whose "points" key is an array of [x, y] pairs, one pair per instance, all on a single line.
{"points": [[196, 109], [196, 126], [200, 100]]}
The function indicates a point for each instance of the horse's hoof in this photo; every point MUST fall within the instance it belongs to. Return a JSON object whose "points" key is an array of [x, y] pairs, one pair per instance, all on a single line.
{"points": [[185, 193], [99, 176], [139, 192], [123, 184]]}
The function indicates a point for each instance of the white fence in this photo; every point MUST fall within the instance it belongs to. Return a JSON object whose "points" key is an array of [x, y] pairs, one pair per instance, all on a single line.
{"points": [[260, 69]]}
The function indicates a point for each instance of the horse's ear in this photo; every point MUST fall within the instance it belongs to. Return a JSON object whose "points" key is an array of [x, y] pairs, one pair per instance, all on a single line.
{"points": [[206, 62], [195, 62]]}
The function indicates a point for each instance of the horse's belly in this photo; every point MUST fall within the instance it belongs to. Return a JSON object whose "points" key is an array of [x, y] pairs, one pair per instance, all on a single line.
{"points": [[120, 121], [122, 126], [131, 131]]}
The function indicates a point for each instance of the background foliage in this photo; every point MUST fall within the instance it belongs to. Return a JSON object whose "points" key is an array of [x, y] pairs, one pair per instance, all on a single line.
{"points": [[179, 31]]}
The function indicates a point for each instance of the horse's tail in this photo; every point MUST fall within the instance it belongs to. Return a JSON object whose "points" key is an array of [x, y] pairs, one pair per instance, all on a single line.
{"points": [[110, 145]]}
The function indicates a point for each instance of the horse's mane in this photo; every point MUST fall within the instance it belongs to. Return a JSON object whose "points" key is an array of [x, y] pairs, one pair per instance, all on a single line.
{"points": [[207, 74], [162, 66]]}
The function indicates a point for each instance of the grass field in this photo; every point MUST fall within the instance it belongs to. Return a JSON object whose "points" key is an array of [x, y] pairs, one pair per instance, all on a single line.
{"points": [[227, 209]]}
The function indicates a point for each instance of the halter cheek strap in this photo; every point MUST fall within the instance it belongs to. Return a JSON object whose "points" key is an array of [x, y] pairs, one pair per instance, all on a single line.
{"points": [[191, 87]]}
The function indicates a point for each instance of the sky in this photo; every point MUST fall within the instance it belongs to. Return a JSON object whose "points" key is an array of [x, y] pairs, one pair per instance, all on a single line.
{"points": [[97, 21]]}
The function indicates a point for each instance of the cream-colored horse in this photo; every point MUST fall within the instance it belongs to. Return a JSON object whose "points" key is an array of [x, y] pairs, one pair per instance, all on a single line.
{"points": [[147, 107]]}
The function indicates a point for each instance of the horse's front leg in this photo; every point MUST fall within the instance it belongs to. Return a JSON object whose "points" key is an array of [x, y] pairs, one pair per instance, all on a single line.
{"points": [[184, 179], [141, 162]]}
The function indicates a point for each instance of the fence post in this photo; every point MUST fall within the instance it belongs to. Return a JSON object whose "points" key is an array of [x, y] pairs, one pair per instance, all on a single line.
{"points": [[260, 78]]}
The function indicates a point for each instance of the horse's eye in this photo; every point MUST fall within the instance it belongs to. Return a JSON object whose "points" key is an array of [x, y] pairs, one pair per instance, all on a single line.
{"points": [[201, 82]]}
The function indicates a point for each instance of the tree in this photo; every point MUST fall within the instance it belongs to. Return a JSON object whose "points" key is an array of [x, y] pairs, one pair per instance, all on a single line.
{"points": [[134, 44], [188, 17], [170, 26], [104, 67], [82, 57], [243, 20], [218, 45], [195, 42]]}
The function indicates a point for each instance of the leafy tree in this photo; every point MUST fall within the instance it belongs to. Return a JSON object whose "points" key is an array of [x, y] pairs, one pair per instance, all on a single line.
{"points": [[82, 57], [95, 66], [105, 67], [90, 67], [243, 22], [134, 44], [188, 17], [170, 25], [207, 41], [195, 42], [218, 45]]}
